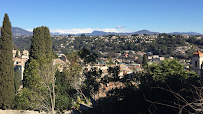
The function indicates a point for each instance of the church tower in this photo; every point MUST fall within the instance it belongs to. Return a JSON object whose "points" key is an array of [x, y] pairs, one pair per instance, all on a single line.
{"points": [[197, 62]]}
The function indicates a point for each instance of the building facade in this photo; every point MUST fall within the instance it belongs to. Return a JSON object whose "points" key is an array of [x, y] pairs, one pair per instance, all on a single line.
{"points": [[197, 62]]}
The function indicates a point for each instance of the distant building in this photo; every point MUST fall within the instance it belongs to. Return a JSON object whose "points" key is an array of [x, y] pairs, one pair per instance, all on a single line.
{"points": [[149, 57], [170, 57], [14, 53], [25, 54], [61, 64], [197, 62], [161, 58], [149, 53], [19, 65]]}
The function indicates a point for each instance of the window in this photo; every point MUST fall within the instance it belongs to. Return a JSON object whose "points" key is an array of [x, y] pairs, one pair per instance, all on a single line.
{"points": [[195, 64]]}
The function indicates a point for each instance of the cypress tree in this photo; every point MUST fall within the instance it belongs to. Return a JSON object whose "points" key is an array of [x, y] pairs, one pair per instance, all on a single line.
{"points": [[40, 52], [144, 62], [16, 53], [41, 44], [48, 42], [37, 48], [7, 89]]}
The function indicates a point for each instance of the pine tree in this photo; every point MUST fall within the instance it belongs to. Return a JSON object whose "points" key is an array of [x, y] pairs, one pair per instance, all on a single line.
{"points": [[7, 89]]}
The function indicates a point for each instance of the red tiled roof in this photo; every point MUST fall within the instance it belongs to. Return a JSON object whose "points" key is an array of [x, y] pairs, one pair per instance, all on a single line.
{"points": [[198, 53], [137, 67]]}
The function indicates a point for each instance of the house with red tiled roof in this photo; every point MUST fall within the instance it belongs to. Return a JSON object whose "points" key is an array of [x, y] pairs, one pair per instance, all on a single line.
{"points": [[126, 55], [197, 62]]}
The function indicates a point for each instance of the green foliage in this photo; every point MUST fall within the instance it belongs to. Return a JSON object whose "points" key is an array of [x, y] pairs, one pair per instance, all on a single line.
{"points": [[48, 42], [114, 72], [17, 80], [62, 102], [7, 89], [40, 53], [170, 69], [63, 85], [168, 75], [41, 44], [22, 42], [92, 84], [24, 99], [66, 82], [32, 78], [110, 60], [55, 56], [39, 89], [39, 82], [37, 48], [122, 101], [88, 56]]}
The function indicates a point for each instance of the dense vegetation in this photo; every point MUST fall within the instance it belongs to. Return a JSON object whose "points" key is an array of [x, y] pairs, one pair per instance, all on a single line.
{"points": [[22, 42], [158, 92]]}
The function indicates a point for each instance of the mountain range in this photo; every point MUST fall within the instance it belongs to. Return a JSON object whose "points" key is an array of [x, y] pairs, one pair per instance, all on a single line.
{"points": [[97, 33], [21, 32], [16, 31]]}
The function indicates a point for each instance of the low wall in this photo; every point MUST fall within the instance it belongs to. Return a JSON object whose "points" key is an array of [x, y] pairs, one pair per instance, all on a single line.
{"points": [[25, 112]]}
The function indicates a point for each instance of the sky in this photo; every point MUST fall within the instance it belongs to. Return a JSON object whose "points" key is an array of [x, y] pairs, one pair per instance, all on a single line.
{"points": [[85, 16]]}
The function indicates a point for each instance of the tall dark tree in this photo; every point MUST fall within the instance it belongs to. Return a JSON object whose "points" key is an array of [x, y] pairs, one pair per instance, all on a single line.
{"points": [[41, 44], [35, 74], [144, 62], [40, 51], [37, 48], [7, 90]]}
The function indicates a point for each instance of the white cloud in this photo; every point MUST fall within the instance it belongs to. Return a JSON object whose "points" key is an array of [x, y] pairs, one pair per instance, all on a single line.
{"points": [[30, 30], [72, 31], [81, 30], [107, 30], [120, 27]]}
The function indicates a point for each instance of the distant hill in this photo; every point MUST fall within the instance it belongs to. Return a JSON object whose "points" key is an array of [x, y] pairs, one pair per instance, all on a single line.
{"points": [[19, 31], [189, 33], [97, 33], [146, 32]]}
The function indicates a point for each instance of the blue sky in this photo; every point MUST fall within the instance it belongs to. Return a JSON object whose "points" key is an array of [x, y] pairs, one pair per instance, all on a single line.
{"points": [[78, 16]]}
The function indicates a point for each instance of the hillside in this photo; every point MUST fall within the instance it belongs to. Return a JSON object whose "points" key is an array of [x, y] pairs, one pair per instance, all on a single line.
{"points": [[16, 31]]}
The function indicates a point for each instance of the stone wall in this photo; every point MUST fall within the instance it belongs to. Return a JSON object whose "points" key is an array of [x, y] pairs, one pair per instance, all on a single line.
{"points": [[25, 112]]}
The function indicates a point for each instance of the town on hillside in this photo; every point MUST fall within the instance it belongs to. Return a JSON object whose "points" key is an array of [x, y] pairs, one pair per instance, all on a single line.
{"points": [[129, 62], [107, 74]]}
